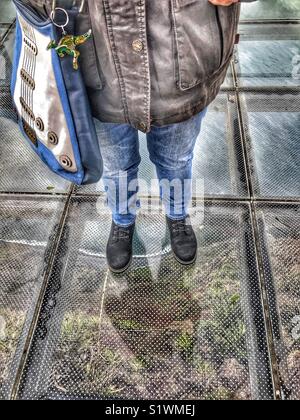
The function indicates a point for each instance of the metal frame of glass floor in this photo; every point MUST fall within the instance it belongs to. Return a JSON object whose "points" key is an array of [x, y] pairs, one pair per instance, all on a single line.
{"points": [[226, 328]]}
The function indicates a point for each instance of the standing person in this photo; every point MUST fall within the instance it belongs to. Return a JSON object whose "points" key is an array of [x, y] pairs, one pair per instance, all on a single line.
{"points": [[155, 67]]}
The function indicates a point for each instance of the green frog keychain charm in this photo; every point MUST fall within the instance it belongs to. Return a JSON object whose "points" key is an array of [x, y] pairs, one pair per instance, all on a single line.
{"points": [[68, 43]]}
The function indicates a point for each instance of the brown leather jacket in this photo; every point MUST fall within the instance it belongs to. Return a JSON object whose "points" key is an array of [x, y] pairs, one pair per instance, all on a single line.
{"points": [[154, 62]]}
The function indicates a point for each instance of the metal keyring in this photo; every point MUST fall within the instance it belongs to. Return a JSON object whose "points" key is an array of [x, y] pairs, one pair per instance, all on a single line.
{"points": [[52, 17]]}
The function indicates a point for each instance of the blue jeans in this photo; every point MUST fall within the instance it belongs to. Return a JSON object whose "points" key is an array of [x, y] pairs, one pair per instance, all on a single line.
{"points": [[171, 150]]}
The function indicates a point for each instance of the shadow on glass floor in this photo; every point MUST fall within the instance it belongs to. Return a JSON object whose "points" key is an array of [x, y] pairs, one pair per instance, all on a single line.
{"points": [[158, 331]]}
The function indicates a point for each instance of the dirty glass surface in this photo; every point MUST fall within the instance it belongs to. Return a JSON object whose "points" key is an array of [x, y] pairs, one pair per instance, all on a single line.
{"points": [[160, 330], [280, 242], [26, 229]]}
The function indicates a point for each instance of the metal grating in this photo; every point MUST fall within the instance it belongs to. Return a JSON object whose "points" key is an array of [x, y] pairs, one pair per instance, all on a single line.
{"points": [[160, 331], [27, 226]]}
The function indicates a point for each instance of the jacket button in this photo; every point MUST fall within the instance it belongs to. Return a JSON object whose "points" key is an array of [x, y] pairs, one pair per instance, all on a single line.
{"points": [[137, 46]]}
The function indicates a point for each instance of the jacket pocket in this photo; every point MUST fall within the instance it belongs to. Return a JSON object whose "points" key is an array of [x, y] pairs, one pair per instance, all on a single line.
{"points": [[204, 39]]}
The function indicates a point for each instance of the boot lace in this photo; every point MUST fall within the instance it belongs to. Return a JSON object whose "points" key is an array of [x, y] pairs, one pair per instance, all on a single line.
{"points": [[120, 233], [181, 226]]}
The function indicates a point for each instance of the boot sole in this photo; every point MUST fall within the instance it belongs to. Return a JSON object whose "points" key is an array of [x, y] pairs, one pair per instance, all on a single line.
{"points": [[185, 263], [122, 270]]}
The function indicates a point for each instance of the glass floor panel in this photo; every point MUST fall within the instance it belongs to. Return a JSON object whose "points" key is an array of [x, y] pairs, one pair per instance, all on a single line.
{"points": [[160, 330], [272, 125], [271, 9], [26, 229], [269, 63], [280, 243], [7, 11]]}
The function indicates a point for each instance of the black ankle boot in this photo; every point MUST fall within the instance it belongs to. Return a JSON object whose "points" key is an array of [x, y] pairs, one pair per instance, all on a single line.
{"points": [[183, 240], [119, 248]]}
